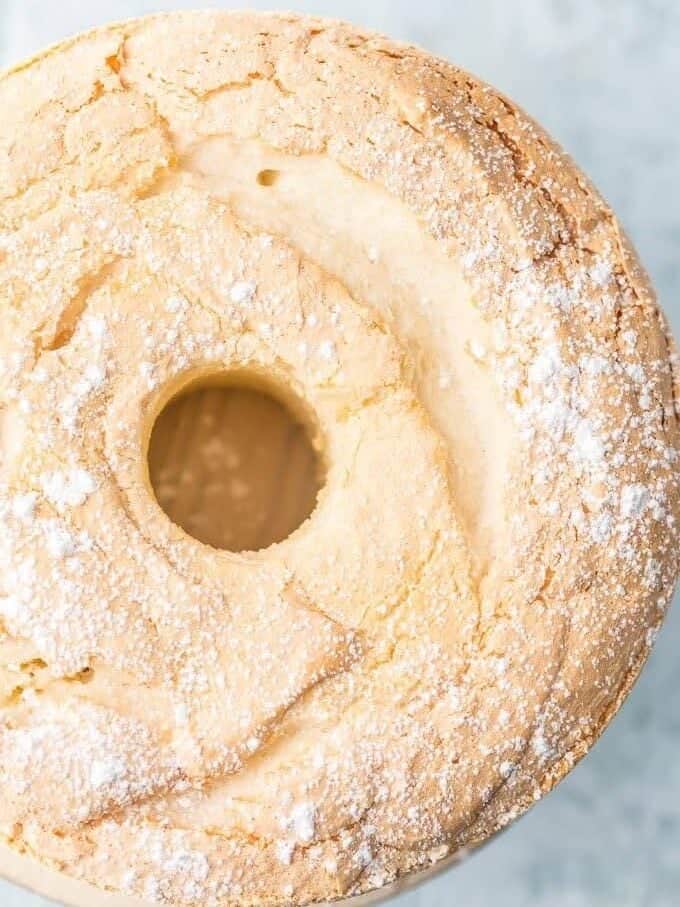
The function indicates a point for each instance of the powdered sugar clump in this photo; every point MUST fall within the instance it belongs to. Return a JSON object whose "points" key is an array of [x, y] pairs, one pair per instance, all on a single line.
{"points": [[59, 541], [23, 505], [634, 500], [285, 851], [104, 772], [92, 379], [242, 292], [587, 445], [69, 488], [302, 822]]}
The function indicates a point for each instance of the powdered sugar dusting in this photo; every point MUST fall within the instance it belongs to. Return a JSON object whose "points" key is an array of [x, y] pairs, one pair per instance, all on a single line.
{"points": [[355, 704]]}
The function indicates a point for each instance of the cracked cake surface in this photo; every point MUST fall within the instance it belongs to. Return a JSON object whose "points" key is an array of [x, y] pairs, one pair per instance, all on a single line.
{"points": [[495, 542]]}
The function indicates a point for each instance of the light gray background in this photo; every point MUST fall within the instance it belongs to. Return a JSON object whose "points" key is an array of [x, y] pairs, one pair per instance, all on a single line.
{"points": [[604, 77]]}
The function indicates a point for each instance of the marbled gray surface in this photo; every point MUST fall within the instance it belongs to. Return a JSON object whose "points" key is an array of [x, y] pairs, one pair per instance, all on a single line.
{"points": [[604, 77]]}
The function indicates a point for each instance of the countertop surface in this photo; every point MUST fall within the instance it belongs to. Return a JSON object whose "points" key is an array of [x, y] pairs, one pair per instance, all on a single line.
{"points": [[603, 77]]}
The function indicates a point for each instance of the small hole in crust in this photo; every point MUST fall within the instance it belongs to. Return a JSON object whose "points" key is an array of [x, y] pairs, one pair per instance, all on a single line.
{"points": [[113, 63], [234, 459], [268, 177], [14, 696], [33, 666], [86, 675]]}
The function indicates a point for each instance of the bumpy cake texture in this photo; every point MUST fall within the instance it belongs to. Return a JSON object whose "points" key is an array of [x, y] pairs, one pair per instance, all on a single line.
{"points": [[496, 541]]}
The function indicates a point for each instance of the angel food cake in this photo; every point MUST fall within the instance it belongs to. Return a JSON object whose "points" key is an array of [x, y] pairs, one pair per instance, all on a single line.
{"points": [[434, 615]]}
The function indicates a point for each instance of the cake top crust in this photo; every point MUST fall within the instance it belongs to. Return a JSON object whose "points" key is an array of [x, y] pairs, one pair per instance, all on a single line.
{"points": [[400, 248]]}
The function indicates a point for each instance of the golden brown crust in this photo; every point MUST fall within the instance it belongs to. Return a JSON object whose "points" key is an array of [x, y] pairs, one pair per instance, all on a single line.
{"points": [[495, 545]]}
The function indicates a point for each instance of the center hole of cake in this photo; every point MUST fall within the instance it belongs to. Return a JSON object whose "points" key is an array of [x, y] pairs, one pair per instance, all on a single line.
{"points": [[235, 462]]}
